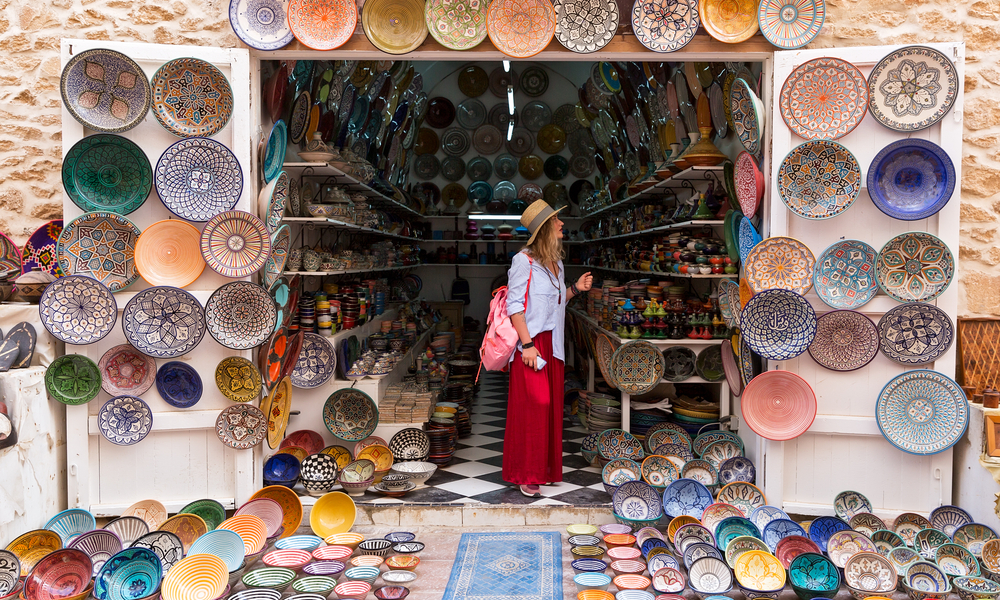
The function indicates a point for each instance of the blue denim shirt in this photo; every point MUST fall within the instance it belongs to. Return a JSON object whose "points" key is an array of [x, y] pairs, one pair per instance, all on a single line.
{"points": [[546, 303]]}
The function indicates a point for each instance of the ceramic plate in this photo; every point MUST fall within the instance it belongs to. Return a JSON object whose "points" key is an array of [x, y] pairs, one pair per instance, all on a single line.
{"points": [[235, 243], [521, 28], [72, 379], [586, 25], [316, 364], [638, 367], [911, 179], [125, 420], [780, 263], [824, 98], [238, 379], [730, 21], [241, 426], [198, 178], [277, 358], [456, 25], [163, 322], [394, 26], [730, 365], [845, 340], [914, 267], [686, 497], [749, 183], [125, 371], [191, 97], [241, 315], [605, 352], [819, 180], [276, 408], [350, 415], [790, 24], [748, 114], [912, 88], [922, 412], [100, 245], [778, 324], [261, 24], [915, 333], [107, 173], [274, 152], [78, 310], [778, 405], [748, 238], [637, 500], [665, 25], [10, 255], [168, 253], [40, 249], [322, 24], [276, 260], [179, 384], [845, 274], [105, 90]]}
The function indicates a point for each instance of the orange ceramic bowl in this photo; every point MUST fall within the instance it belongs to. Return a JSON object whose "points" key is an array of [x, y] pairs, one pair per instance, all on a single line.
{"points": [[595, 595], [348, 538], [402, 562], [367, 560], [632, 582], [618, 539]]}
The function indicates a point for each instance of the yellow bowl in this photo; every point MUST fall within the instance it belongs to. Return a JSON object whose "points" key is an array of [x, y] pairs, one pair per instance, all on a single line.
{"points": [[333, 513], [402, 562], [349, 539]]}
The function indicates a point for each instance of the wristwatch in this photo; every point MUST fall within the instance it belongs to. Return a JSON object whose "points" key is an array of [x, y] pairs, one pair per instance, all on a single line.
{"points": [[528, 345]]}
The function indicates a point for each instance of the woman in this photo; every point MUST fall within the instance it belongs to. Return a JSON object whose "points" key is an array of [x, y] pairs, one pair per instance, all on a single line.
{"points": [[536, 301]]}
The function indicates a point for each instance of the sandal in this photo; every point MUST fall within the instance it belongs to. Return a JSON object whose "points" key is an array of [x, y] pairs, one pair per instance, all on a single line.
{"points": [[527, 492]]}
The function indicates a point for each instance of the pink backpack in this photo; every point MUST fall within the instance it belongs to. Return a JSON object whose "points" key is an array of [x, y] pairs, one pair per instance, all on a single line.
{"points": [[501, 338]]}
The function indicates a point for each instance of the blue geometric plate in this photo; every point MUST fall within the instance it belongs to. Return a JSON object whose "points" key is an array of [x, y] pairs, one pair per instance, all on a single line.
{"points": [[274, 153], [686, 497], [100, 245], [922, 412], [107, 172], [240, 315], [261, 24], [78, 310], [779, 529], [819, 179], [637, 500], [198, 178], [317, 362], [738, 468], [748, 238], [822, 528], [350, 415], [163, 322], [948, 518], [748, 115], [179, 384], [131, 574], [778, 324], [844, 276], [191, 97], [845, 340], [275, 265], [125, 420], [914, 267], [911, 179], [105, 90], [272, 200], [915, 333]]}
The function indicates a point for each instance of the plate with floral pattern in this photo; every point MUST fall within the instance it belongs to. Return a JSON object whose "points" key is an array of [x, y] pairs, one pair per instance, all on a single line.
{"points": [[78, 310], [107, 172], [125, 420], [912, 88], [316, 364], [126, 371], [845, 340], [665, 25], [637, 367], [922, 412], [780, 263], [241, 315], [40, 251], [914, 267], [105, 90], [748, 115], [819, 179], [824, 98], [323, 24], [844, 277], [586, 25], [261, 24], [790, 24], [198, 178], [456, 24], [163, 322], [521, 28], [241, 426], [235, 243], [747, 238], [238, 379], [191, 97], [100, 245], [350, 415], [915, 333]]}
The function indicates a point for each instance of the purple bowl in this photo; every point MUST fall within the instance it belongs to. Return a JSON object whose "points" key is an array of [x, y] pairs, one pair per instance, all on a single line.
{"points": [[329, 568]]}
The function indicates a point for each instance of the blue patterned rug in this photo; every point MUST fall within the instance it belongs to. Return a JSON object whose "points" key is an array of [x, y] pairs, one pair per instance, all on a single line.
{"points": [[507, 566]]}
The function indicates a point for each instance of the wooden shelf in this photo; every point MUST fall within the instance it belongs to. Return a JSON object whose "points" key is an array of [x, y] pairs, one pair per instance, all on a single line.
{"points": [[660, 229]]}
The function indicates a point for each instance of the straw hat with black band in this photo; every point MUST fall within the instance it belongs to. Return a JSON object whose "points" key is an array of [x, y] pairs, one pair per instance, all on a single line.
{"points": [[536, 215]]}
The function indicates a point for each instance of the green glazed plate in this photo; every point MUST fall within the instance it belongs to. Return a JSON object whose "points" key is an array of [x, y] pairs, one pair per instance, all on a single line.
{"points": [[107, 172], [211, 511], [73, 379]]}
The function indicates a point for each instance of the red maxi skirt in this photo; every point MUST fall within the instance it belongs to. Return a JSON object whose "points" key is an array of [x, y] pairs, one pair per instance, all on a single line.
{"points": [[532, 446]]}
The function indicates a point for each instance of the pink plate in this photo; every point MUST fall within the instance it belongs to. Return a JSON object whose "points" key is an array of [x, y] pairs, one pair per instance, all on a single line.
{"points": [[779, 405], [749, 183], [291, 559], [332, 553], [731, 367], [789, 547], [62, 574]]}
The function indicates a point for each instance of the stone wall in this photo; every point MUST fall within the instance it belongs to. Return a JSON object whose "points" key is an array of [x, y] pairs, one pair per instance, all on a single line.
{"points": [[30, 31]]}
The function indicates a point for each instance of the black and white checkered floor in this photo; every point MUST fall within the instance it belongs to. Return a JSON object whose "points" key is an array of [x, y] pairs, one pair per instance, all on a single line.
{"points": [[474, 473]]}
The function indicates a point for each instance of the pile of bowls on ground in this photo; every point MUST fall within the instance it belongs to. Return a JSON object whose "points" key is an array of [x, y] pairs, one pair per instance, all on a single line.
{"points": [[200, 554]]}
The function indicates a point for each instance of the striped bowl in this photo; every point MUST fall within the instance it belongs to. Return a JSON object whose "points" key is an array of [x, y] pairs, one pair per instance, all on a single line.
{"points": [[99, 544], [251, 529], [257, 594], [276, 578], [314, 585], [375, 547], [307, 597], [329, 568], [71, 523], [299, 542], [268, 510], [129, 529], [591, 581], [224, 543], [198, 577], [632, 582], [332, 553], [352, 589], [369, 574], [624, 553], [406, 562], [348, 538], [367, 561], [595, 595], [628, 567], [290, 559]]}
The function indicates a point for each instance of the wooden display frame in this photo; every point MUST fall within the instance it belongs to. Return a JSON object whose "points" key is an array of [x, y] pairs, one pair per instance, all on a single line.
{"points": [[992, 424]]}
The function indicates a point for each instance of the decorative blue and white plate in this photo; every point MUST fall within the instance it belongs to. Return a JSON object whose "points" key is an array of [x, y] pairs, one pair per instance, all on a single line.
{"points": [[165, 544], [845, 340], [948, 518], [911, 179], [272, 201], [637, 500], [261, 24], [844, 276], [748, 115], [274, 152], [105, 90], [179, 384], [779, 529], [748, 238], [819, 179], [125, 420], [131, 574], [822, 528], [198, 178], [276, 260], [241, 315], [317, 362], [762, 515], [915, 333], [922, 412], [163, 322], [914, 267], [686, 497], [100, 245], [912, 88], [698, 551], [738, 468], [778, 324], [78, 310]]}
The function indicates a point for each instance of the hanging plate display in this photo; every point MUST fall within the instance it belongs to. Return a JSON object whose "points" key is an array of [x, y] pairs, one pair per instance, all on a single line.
{"points": [[78, 310], [911, 179], [179, 384], [125, 371], [912, 88], [238, 379], [637, 367], [819, 180], [191, 97], [275, 407], [107, 173], [100, 245], [260, 24], [780, 263], [845, 274], [40, 251], [322, 24], [350, 415], [914, 267], [277, 359], [125, 420], [586, 25], [275, 265], [316, 364], [748, 115], [235, 243], [749, 183], [605, 352], [167, 253], [73, 379], [665, 25], [778, 405], [824, 98], [105, 90], [274, 151], [778, 324], [521, 28], [729, 21], [678, 363], [163, 322], [198, 178], [922, 412], [394, 26], [240, 315], [845, 340], [748, 238], [272, 200], [915, 333], [456, 25], [790, 24], [241, 426]]}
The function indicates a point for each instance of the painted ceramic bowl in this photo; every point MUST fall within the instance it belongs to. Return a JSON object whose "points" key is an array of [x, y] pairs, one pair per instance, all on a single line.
{"points": [[61, 574], [276, 578], [333, 513]]}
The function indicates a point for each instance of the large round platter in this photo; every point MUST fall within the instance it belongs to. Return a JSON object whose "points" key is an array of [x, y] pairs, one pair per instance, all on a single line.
{"points": [[241, 315], [100, 245], [915, 333], [179, 384], [665, 25], [394, 26], [191, 97], [78, 310], [456, 25], [40, 249], [163, 322], [261, 24], [125, 420], [911, 179], [922, 412], [198, 178], [790, 24], [350, 415], [521, 28], [276, 408], [605, 350], [128, 575], [912, 88], [780, 263], [317, 362], [241, 426], [586, 25], [845, 274], [168, 253], [778, 324], [107, 172], [819, 179], [845, 340], [235, 243], [748, 115], [272, 200], [914, 267], [824, 98], [322, 24], [730, 21], [105, 90], [10, 255], [749, 183], [238, 379], [280, 242], [778, 405], [637, 367], [73, 379], [126, 371], [748, 238]]}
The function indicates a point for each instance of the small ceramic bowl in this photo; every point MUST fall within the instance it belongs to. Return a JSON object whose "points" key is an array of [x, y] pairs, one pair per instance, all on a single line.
{"points": [[299, 542], [316, 584], [357, 489], [275, 578], [375, 547], [589, 565], [584, 540], [326, 568], [333, 552], [320, 210], [290, 559], [595, 595], [418, 472], [366, 560], [973, 588], [587, 551], [318, 487], [348, 539], [624, 553], [628, 567], [591, 581], [632, 582], [752, 594], [405, 562], [392, 592], [366, 574], [618, 539]]}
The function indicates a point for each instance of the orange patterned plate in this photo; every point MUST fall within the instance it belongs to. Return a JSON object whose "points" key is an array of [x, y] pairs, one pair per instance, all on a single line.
{"points": [[151, 511], [521, 28], [197, 577], [730, 21], [187, 527], [33, 546], [251, 529], [322, 24], [378, 454], [290, 504], [276, 407]]}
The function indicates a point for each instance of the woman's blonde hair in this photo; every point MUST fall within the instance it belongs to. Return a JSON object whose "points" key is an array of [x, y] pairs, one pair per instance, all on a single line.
{"points": [[547, 248]]}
